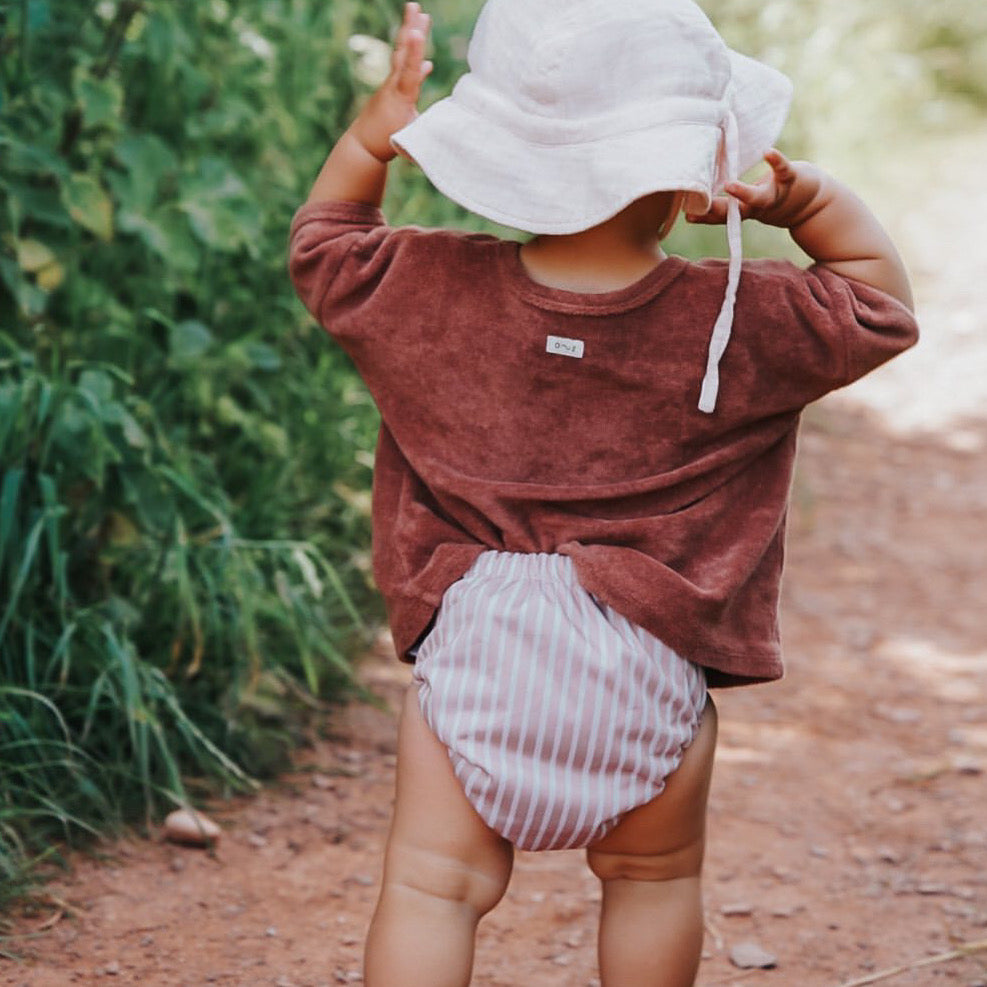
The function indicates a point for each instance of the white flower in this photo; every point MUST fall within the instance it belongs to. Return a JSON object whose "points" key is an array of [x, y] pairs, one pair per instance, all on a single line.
{"points": [[373, 59], [253, 41]]}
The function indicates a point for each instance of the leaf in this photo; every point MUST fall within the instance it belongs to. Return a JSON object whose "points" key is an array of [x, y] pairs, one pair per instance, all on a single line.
{"points": [[32, 255], [98, 384], [9, 493], [146, 160], [114, 413], [155, 239], [39, 205], [31, 300], [38, 14], [31, 159], [262, 356], [189, 340], [36, 258], [51, 277], [89, 205], [120, 531], [101, 100]]}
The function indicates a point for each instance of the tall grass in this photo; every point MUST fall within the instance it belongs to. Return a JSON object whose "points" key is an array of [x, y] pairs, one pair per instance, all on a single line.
{"points": [[184, 460]]}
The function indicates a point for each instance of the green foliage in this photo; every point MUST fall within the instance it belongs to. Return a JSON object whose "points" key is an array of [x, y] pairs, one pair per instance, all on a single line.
{"points": [[184, 460]]}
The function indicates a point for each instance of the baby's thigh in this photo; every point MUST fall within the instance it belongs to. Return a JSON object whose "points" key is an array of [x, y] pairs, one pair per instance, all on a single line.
{"points": [[436, 835], [664, 838]]}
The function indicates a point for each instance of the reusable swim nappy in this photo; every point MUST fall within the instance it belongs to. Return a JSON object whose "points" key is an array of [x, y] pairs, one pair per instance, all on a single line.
{"points": [[559, 714]]}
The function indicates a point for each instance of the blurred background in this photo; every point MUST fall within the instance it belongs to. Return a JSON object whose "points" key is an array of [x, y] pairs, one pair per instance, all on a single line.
{"points": [[185, 462]]}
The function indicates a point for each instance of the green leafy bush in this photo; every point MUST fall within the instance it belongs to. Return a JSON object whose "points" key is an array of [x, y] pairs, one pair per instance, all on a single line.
{"points": [[184, 496]]}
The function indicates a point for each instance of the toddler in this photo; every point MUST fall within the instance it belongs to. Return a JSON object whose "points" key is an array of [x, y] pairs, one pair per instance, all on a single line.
{"points": [[586, 447]]}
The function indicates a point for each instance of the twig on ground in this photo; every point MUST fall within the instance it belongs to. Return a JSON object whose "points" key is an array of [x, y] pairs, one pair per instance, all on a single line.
{"points": [[51, 921], [968, 949], [714, 932]]}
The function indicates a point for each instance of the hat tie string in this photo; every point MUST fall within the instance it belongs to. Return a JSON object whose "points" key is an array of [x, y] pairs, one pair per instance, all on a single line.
{"points": [[724, 321]]}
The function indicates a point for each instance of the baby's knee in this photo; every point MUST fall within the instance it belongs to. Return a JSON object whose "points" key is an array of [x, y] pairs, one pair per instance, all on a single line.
{"points": [[685, 861], [671, 864], [426, 874]]}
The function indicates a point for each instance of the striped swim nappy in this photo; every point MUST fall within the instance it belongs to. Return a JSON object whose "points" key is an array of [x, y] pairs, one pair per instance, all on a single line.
{"points": [[559, 714]]}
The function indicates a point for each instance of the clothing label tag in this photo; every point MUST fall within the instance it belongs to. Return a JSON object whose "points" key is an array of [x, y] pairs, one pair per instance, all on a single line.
{"points": [[565, 347]]}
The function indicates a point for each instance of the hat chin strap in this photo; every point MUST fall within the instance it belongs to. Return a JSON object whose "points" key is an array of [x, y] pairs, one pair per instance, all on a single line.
{"points": [[724, 321]]}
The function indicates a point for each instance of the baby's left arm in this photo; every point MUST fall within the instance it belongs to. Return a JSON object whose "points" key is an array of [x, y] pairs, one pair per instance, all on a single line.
{"points": [[825, 218], [356, 169]]}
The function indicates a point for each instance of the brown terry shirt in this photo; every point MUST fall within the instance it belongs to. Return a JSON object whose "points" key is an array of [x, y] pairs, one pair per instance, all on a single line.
{"points": [[493, 439]]}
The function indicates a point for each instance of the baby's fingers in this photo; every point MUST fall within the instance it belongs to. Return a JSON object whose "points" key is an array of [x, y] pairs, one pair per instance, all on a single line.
{"points": [[409, 67], [716, 216], [780, 165], [752, 197]]}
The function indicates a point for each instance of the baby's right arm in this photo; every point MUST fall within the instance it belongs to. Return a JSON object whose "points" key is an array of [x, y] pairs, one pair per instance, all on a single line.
{"points": [[825, 218]]}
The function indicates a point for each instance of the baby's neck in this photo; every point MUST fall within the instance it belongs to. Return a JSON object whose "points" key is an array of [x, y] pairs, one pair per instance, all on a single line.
{"points": [[613, 255]]}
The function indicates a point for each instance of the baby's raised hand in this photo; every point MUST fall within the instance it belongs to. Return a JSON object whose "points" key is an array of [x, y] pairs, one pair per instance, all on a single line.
{"points": [[395, 104], [785, 197]]}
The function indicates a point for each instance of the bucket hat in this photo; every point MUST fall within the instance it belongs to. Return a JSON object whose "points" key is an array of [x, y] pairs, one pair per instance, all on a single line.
{"points": [[573, 109]]}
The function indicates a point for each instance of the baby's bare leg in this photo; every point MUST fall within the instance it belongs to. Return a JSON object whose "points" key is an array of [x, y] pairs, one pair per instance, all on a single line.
{"points": [[444, 868], [651, 924]]}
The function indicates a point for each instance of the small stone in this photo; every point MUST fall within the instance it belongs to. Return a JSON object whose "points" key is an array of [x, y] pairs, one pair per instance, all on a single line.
{"points": [[257, 841], [784, 875], [363, 880], [147, 941], [932, 889], [751, 956], [968, 768], [819, 851], [784, 911], [112, 969], [191, 828], [337, 834], [738, 909], [177, 864], [889, 856], [561, 960], [323, 782], [271, 932]]}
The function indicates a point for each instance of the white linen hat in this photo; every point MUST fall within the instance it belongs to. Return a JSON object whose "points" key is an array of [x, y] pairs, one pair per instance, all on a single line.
{"points": [[572, 109]]}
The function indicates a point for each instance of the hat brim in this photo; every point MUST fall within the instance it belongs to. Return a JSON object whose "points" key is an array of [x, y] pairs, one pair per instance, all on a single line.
{"points": [[762, 97], [566, 188]]}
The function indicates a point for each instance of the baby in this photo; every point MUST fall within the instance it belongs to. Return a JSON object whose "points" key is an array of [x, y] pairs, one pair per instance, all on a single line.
{"points": [[586, 448]]}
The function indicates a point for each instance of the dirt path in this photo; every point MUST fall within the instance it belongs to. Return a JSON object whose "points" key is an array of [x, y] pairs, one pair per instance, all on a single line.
{"points": [[848, 826]]}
